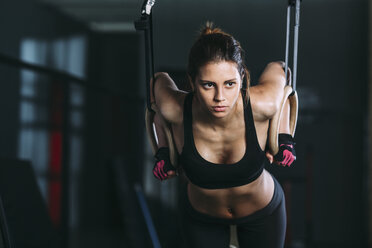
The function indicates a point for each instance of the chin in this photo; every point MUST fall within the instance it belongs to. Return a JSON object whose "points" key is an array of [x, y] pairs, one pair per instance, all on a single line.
{"points": [[219, 114]]}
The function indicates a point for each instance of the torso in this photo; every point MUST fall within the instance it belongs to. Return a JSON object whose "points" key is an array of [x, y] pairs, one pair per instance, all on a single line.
{"points": [[227, 146]]}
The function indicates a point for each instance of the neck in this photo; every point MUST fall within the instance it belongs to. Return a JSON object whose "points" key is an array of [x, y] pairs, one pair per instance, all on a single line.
{"points": [[206, 118]]}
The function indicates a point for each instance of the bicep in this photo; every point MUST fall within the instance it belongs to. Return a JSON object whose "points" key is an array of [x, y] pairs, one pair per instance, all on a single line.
{"points": [[169, 99], [263, 106], [267, 95]]}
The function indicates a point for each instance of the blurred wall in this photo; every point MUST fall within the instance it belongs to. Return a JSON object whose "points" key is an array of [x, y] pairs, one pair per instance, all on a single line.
{"points": [[16, 25], [115, 125], [32, 104], [74, 130]]}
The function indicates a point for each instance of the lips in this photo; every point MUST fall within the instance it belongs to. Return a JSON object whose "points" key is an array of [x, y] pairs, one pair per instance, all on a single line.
{"points": [[219, 108]]}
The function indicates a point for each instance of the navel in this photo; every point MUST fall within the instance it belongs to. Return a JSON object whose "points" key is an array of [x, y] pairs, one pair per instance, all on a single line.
{"points": [[231, 211]]}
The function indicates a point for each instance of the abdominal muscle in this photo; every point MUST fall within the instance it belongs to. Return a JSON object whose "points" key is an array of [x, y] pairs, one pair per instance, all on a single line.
{"points": [[235, 202]]}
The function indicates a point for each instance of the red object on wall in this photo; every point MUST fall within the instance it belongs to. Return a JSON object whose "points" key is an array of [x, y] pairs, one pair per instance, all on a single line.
{"points": [[55, 160]]}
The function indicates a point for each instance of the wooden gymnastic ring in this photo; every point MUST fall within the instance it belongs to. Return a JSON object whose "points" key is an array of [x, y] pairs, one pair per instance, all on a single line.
{"points": [[149, 119], [293, 104], [275, 121]]}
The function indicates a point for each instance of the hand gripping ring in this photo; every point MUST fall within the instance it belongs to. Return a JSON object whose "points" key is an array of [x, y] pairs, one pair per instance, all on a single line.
{"points": [[275, 121], [149, 118]]}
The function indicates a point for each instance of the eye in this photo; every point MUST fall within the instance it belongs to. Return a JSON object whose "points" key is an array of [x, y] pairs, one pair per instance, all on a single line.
{"points": [[230, 84], [208, 85]]}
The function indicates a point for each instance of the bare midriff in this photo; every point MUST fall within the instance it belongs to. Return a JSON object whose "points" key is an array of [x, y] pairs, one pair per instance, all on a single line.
{"points": [[235, 202]]}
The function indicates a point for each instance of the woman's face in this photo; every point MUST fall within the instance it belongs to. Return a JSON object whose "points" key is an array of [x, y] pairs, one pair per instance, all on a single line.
{"points": [[217, 87]]}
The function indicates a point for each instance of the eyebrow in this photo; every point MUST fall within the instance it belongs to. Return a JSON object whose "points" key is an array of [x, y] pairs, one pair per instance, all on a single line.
{"points": [[208, 81]]}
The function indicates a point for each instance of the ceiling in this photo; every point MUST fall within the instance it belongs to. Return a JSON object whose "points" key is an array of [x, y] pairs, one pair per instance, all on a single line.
{"points": [[118, 15], [101, 15]]}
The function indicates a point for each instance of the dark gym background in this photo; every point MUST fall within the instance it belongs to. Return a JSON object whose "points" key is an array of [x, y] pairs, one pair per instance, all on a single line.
{"points": [[72, 138]]}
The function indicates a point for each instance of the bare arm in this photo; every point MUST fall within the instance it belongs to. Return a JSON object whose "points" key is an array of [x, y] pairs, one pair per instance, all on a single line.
{"points": [[268, 94], [160, 133], [168, 98]]}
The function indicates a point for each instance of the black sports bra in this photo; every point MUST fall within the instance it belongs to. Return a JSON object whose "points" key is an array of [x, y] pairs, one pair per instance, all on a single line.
{"points": [[217, 176]]}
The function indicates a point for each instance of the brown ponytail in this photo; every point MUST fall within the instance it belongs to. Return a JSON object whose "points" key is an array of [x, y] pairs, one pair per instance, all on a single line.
{"points": [[246, 83], [209, 28]]}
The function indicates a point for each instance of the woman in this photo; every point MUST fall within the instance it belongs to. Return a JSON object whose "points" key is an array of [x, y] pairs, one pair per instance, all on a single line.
{"points": [[220, 131]]}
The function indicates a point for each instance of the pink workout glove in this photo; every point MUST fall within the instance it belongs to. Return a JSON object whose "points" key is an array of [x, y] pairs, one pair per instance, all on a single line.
{"points": [[162, 164], [286, 154]]}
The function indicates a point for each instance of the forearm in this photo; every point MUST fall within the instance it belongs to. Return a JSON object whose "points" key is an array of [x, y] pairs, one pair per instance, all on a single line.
{"points": [[163, 168], [160, 134]]}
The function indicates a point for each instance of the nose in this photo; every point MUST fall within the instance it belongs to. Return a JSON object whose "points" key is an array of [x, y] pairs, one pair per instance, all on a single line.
{"points": [[219, 95]]}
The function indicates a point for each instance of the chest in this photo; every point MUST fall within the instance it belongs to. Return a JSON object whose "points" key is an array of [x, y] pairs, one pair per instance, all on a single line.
{"points": [[225, 146], [221, 147]]}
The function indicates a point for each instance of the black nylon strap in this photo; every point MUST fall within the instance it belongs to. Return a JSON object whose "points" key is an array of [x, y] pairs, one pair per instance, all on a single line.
{"points": [[145, 24]]}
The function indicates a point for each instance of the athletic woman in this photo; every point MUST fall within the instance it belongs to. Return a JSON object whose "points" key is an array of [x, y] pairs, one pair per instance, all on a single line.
{"points": [[220, 131]]}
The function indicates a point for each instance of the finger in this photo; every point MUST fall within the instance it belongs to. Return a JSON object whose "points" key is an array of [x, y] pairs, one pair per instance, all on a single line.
{"points": [[291, 161], [286, 159], [171, 173], [162, 172], [165, 175], [160, 169], [154, 171], [288, 155], [157, 171]]}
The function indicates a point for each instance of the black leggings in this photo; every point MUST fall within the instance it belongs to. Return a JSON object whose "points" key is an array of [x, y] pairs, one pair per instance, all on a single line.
{"points": [[264, 228]]}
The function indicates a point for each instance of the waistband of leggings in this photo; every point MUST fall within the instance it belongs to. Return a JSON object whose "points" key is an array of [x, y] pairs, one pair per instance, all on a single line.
{"points": [[275, 201]]}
